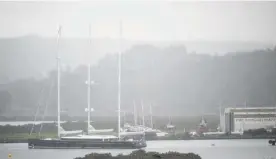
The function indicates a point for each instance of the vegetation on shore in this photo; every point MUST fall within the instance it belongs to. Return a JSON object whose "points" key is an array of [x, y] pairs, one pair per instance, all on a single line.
{"points": [[252, 134], [141, 154], [189, 123], [22, 133], [176, 81], [23, 137]]}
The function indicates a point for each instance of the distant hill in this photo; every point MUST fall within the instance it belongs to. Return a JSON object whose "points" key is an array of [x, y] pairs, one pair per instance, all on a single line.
{"points": [[174, 81], [33, 56]]}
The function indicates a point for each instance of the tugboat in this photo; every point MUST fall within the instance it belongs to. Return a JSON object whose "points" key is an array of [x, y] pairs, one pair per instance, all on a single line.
{"points": [[170, 127], [202, 127], [86, 141]]}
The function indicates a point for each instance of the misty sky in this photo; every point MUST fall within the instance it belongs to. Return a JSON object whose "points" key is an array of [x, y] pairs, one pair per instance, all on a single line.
{"points": [[163, 20]]}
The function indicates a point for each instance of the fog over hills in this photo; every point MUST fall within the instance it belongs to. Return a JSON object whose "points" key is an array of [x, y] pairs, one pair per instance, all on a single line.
{"points": [[34, 56], [173, 78]]}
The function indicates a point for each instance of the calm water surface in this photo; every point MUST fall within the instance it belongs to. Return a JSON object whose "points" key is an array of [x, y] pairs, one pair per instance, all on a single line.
{"points": [[222, 149]]}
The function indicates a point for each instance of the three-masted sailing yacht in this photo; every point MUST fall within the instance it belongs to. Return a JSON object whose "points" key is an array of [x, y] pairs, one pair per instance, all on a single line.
{"points": [[86, 141]]}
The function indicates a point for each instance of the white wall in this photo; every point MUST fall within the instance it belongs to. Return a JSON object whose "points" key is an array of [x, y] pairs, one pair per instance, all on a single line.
{"points": [[253, 123]]}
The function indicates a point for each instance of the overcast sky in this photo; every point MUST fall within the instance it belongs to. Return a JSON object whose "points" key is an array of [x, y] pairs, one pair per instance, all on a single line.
{"points": [[166, 20]]}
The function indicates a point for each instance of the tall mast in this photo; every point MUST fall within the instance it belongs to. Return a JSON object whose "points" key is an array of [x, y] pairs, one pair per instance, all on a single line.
{"points": [[58, 80], [151, 124], [134, 113], [124, 117], [88, 88], [220, 117], [88, 98], [143, 117], [119, 83]]}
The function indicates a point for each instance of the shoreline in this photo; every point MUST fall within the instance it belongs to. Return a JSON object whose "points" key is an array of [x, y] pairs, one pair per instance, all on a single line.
{"points": [[7, 141]]}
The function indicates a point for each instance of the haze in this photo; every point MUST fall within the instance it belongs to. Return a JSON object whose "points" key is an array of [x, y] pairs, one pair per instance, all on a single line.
{"points": [[153, 21], [167, 56]]}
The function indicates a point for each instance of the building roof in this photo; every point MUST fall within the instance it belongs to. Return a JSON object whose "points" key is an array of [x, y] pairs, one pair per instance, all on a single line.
{"points": [[251, 109]]}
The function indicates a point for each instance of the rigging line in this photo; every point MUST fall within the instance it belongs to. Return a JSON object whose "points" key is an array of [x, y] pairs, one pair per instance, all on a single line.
{"points": [[46, 105], [37, 109]]}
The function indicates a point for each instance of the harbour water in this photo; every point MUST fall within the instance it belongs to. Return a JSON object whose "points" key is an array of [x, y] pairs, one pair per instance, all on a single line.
{"points": [[207, 149]]}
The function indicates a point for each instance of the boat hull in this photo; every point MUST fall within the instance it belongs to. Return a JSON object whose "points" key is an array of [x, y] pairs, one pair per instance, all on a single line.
{"points": [[84, 144]]}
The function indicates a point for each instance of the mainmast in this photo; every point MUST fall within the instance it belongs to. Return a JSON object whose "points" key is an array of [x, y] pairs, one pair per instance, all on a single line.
{"points": [[119, 83], [58, 80], [151, 123], [88, 88], [143, 117], [134, 113], [88, 98]]}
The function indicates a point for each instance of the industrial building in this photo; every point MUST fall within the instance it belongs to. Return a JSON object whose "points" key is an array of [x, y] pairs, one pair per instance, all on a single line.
{"points": [[241, 119]]}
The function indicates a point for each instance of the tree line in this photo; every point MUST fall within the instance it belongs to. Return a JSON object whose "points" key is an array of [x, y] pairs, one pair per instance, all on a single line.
{"points": [[173, 81]]}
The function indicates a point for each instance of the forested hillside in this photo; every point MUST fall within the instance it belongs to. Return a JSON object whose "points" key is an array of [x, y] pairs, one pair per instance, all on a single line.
{"points": [[174, 81]]}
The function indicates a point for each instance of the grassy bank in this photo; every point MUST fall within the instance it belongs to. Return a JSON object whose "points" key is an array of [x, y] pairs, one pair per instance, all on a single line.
{"points": [[19, 134], [141, 154], [103, 122], [23, 137]]}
